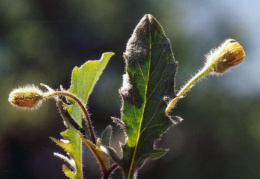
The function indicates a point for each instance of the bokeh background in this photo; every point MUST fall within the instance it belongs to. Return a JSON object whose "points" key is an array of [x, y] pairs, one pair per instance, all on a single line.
{"points": [[42, 40]]}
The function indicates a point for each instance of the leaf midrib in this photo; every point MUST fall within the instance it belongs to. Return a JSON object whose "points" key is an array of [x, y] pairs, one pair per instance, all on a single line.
{"points": [[140, 124]]}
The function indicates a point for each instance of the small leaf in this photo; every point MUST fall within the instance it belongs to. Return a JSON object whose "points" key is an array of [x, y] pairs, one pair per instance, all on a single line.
{"points": [[68, 172], [120, 123], [71, 144], [149, 77], [71, 162], [106, 136], [101, 157]]}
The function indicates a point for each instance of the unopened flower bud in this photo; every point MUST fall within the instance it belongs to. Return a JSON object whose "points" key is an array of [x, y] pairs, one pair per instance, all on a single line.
{"points": [[219, 60], [228, 54], [29, 97]]}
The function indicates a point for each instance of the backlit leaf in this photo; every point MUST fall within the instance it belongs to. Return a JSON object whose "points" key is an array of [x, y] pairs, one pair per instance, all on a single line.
{"points": [[149, 78], [83, 81]]}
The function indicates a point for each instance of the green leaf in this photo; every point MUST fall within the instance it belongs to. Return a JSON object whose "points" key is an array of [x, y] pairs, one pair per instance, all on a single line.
{"points": [[71, 144], [68, 172], [82, 83], [149, 78], [84, 78], [106, 136], [101, 157]]}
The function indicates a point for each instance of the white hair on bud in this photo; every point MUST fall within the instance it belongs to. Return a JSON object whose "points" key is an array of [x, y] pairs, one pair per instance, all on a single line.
{"points": [[27, 97], [31, 88], [230, 53], [216, 52], [126, 85]]}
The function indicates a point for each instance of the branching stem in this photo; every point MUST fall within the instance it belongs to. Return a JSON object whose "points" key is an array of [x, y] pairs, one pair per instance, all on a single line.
{"points": [[86, 115]]}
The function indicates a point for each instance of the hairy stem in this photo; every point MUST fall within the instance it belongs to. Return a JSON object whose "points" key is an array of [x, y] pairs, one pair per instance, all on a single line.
{"points": [[187, 87], [69, 120], [110, 170], [86, 115]]}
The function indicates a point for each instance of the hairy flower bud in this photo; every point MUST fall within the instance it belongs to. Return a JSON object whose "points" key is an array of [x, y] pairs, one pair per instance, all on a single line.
{"points": [[28, 97], [219, 60], [228, 54]]}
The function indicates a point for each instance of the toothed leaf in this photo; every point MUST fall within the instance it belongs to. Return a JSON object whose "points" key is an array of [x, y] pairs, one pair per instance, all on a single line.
{"points": [[84, 78], [83, 81], [149, 78]]}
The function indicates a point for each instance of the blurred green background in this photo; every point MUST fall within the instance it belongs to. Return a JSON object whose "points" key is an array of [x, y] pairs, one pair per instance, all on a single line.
{"points": [[42, 40]]}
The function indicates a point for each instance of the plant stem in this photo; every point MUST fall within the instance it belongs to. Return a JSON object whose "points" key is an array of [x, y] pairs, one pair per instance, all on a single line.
{"points": [[187, 87], [87, 119], [66, 117], [110, 170]]}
